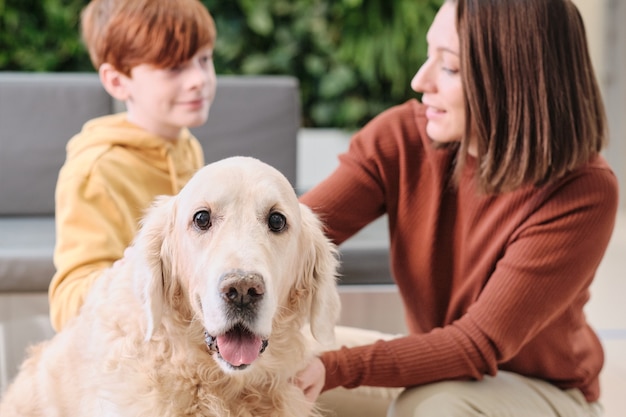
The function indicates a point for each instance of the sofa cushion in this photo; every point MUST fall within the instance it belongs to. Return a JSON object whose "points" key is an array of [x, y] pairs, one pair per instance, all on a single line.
{"points": [[365, 256], [256, 116], [39, 113]]}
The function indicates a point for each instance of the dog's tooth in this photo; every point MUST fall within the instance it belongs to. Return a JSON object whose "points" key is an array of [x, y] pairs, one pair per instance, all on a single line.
{"points": [[210, 342]]}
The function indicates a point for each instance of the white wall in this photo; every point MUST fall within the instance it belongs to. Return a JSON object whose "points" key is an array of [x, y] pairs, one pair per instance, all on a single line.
{"points": [[593, 12], [607, 41]]}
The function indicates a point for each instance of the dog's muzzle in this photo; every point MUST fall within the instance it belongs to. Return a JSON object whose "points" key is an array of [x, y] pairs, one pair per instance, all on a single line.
{"points": [[242, 294]]}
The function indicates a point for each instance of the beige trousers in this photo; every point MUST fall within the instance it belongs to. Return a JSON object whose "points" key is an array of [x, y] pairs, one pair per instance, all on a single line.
{"points": [[505, 395]]}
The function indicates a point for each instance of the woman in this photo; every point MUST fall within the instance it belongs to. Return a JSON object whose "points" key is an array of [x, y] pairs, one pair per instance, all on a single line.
{"points": [[500, 209]]}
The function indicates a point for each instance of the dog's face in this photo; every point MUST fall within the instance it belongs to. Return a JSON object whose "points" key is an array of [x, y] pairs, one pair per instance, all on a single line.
{"points": [[239, 243]]}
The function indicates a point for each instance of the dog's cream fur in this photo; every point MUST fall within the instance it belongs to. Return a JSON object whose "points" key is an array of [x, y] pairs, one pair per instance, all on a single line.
{"points": [[137, 348]]}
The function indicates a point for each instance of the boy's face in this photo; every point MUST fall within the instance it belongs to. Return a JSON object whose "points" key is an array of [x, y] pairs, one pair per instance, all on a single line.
{"points": [[163, 101]]}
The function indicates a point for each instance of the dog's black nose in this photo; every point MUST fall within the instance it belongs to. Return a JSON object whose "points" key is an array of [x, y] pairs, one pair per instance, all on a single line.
{"points": [[241, 288]]}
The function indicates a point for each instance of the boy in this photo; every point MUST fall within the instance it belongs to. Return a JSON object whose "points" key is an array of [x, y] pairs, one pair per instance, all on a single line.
{"points": [[156, 57]]}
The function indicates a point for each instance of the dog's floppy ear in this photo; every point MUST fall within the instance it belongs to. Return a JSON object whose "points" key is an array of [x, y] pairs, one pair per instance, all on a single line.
{"points": [[321, 263], [151, 263]]}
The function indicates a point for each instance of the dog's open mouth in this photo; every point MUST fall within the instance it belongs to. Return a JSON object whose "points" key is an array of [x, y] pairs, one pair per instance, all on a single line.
{"points": [[238, 347]]}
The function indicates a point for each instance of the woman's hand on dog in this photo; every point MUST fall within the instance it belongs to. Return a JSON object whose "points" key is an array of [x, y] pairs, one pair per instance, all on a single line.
{"points": [[311, 379]]}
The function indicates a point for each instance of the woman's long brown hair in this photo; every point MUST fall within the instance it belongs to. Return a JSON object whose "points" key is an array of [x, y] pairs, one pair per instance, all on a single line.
{"points": [[532, 100]]}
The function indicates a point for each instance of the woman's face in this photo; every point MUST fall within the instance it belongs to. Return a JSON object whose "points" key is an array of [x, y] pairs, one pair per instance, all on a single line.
{"points": [[439, 79]]}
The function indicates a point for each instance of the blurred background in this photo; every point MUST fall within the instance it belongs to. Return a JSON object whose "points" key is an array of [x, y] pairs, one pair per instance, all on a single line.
{"points": [[353, 58]]}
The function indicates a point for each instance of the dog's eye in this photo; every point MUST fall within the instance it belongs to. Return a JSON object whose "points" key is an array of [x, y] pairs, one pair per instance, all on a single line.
{"points": [[277, 222], [202, 220]]}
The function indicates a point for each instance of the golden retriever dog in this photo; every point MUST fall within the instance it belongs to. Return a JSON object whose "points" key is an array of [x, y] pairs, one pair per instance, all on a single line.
{"points": [[204, 314]]}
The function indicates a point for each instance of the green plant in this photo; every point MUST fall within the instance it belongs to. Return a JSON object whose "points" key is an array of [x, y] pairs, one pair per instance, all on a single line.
{"points": [[41, 35], [353, 58]]}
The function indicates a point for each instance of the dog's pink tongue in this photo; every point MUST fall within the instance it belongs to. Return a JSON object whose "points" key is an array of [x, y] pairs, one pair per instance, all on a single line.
{"points": [[239, 347]]}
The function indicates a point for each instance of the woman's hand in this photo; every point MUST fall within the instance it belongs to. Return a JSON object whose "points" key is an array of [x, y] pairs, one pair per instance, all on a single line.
{"points": [[311, 379]]}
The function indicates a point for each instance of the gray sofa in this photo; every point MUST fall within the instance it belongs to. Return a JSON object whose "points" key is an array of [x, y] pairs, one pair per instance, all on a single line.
{"points": [[39, 112]]}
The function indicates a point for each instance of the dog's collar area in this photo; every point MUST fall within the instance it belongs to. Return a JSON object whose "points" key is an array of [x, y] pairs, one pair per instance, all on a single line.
{"points": [[212, 345]]}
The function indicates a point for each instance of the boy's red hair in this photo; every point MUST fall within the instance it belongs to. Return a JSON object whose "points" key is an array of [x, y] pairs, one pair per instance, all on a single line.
{"points": [[162, 33]]}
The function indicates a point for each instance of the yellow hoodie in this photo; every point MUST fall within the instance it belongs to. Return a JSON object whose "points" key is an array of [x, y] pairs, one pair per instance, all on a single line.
{"points": [[112, 173]]}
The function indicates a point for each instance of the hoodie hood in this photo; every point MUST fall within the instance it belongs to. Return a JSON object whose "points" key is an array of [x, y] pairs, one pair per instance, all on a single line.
{"points": [[175, 158]]}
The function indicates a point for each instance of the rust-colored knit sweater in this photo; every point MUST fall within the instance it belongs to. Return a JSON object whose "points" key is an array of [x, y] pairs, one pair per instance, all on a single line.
{"points": [[488, 282]]}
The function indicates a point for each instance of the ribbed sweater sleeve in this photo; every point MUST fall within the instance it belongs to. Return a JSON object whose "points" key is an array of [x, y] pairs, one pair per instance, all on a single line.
{"points": [[442, 354]]}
